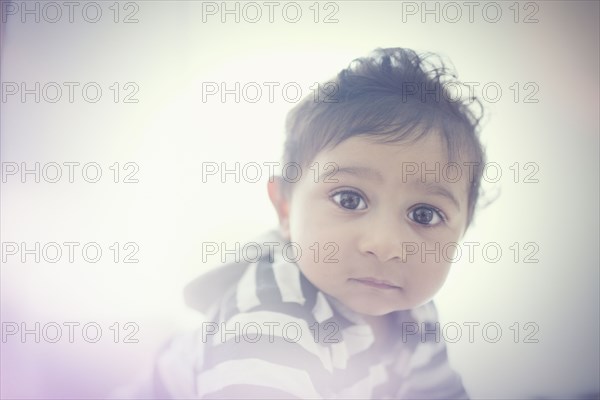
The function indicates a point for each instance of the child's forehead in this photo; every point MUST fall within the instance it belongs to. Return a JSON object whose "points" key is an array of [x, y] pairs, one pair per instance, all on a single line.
{"points": [[370, 151]]}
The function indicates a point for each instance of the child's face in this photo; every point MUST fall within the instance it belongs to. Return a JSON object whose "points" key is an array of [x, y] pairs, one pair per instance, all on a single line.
{"points": [[377, 226]]}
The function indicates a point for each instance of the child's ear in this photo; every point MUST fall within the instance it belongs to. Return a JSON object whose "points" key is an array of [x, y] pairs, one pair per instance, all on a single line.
{"points": [[281, 204]]}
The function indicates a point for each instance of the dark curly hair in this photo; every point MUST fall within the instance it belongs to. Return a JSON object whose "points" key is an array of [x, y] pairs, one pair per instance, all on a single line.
{"points": [[393, 95]]}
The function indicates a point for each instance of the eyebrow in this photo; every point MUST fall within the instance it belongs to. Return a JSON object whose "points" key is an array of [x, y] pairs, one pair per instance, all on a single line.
{"points": [[433, 188], [437, 189], [361, 172]]}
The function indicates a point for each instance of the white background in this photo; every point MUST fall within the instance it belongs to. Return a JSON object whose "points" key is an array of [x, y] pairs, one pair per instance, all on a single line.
{"points": [[169, 53]]}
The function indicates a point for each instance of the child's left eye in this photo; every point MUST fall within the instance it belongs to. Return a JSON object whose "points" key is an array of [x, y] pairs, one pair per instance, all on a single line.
{"points": [[349, 200], [426, 215]]}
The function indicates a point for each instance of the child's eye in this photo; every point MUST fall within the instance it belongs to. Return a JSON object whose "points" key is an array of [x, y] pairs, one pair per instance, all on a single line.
{"points": [[426, 215], [349, 199]]}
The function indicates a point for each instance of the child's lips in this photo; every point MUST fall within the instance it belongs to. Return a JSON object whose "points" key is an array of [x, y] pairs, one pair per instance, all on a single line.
{"points": [[377, 283]]}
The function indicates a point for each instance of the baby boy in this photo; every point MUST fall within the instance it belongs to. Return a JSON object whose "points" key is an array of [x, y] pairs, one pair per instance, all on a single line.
{"points": [[335, 315]]}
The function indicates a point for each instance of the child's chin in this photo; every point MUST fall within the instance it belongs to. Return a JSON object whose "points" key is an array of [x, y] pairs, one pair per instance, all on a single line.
{"points": [[375, 309]]}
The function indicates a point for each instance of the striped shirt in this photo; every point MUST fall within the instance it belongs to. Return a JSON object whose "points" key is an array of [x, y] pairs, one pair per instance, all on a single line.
{"points": [[272, 334]]}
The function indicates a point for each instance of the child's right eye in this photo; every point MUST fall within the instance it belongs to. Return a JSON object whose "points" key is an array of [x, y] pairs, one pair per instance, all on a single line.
{"points": [[349, 200]]}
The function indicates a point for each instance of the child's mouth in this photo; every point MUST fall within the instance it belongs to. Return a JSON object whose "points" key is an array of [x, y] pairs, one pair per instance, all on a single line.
{"points": [[376, 283]]}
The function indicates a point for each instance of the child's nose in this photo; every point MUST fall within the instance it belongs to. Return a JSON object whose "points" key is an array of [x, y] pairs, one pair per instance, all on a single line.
{"points": [[385, 240]]}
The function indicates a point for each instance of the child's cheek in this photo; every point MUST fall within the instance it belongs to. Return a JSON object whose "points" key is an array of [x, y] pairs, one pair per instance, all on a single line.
{"points": [[426, 280]]}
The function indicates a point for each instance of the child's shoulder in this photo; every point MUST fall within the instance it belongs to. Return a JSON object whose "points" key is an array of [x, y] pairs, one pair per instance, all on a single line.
{"points": [[272, 291], [268, 283]]}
